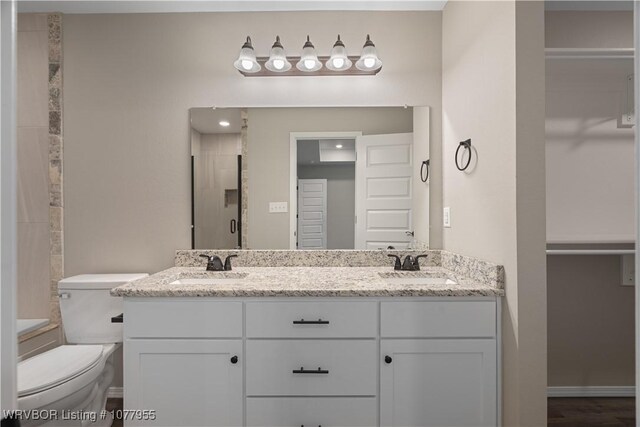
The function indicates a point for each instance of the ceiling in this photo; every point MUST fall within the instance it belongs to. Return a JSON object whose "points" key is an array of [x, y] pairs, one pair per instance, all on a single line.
{"points": [[152, 6], [324, 152], [169, 6], [207, 120]]}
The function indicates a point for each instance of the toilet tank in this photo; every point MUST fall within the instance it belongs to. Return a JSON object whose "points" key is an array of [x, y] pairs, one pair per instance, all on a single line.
{"points": [[87, 307]]}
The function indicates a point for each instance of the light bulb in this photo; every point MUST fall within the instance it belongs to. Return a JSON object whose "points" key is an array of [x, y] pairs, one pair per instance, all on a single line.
{"points": [[278, 64], [246, 64], [338, 62], [309, 64], [369, 62]]}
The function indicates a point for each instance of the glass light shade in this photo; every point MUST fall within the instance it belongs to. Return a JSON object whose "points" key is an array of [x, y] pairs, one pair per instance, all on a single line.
{"points": [[247, 61], [339, 61], [277, 62], [369, 60], [308, 59]]}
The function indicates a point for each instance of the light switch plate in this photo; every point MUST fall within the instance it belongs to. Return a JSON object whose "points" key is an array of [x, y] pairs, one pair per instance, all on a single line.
{"points": [[628, 268], [446, 217], [278, 207]]}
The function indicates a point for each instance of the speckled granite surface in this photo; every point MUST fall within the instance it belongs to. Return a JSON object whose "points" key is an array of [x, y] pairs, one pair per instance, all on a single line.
{"points": [[295, 258], [304, 282]]}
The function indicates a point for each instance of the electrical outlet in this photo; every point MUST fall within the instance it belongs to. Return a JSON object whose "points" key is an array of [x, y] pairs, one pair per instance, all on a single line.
{"points": [[278, 207], [628, 267], [446, 217]]}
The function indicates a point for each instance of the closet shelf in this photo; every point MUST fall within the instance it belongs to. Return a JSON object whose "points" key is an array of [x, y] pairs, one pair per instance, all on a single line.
{"points": [[581, 53]]}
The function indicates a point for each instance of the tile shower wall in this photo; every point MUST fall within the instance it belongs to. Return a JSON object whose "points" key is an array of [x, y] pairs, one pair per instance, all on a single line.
{"points": [[39, 165]]}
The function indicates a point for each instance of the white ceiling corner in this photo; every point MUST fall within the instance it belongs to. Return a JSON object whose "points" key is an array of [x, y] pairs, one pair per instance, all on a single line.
{"points": [[173, 6]]}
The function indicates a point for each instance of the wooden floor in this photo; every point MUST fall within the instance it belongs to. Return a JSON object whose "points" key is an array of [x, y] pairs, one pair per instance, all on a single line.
{"points": [[562, 411], [591, 411]]}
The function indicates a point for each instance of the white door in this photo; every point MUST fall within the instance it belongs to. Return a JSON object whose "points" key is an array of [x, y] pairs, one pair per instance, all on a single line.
{"points": [[187, 382], [384, 168], [438, 383], [312, 214]]}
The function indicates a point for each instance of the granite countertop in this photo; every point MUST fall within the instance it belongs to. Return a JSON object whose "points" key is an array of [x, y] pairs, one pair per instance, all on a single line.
{"points": [[305, 282]]}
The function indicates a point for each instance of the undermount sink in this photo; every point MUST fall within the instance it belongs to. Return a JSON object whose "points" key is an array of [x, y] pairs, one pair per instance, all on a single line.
{"points": [[210, 278], [420, 281], [208, 281], [416, 279]]}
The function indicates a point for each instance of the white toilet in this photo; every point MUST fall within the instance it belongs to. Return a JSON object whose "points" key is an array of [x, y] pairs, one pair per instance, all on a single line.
{"points": [[73, 379]]}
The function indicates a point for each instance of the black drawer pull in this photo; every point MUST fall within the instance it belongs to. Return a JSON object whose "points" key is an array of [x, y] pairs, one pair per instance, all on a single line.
{"points": [[118, 319], [310, 322], [302, 425], [234, 359], [310, 371]]}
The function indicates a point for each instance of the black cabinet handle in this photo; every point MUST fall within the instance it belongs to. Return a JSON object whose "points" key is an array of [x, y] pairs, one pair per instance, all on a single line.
{"points": [[118, 319], [302, 425], [310, 371], [234, 359], [388, 359], [233, 226], [310, 322]]}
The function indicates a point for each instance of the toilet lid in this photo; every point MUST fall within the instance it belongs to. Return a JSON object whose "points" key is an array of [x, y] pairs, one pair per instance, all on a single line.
{"points": [[56, 366]]}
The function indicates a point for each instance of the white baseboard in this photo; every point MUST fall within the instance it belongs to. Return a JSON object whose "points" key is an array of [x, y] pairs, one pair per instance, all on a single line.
{"points": [[115, 393], [592, 391]]}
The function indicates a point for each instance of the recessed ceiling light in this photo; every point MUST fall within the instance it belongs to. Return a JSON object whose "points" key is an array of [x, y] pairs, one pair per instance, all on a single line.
{"points": [[224, 123], [338, 145]]}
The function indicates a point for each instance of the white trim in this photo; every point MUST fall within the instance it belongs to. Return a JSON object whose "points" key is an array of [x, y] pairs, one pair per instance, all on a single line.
{"points": [[8, 199], [293, 171], [115, 393], [636, 37], [184, 6], [592, 391]]}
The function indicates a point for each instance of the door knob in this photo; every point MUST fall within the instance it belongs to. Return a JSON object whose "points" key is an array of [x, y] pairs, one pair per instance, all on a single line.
{"points": [[234, 359], [388, 359]]}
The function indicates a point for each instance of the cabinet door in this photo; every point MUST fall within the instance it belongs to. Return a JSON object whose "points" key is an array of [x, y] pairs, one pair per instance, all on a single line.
{"points": [[186, 382], [438, 382]]}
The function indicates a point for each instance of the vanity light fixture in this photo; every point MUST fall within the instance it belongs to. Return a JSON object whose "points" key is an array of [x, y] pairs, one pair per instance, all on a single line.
{"points": [[224, 123], [277, 62], [309, 63], [308, 60], [339, 61], [369, 60], [247, 61]]}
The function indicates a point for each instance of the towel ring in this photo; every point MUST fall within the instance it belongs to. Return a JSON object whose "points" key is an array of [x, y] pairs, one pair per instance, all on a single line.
{"points": [[425, 166], [467, 147]]}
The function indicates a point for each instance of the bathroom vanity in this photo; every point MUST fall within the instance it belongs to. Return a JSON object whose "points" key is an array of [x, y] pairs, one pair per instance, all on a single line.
{"points": [[314, 346]]}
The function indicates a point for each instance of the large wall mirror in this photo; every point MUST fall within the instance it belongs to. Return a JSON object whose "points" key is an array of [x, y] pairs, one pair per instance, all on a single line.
{"points": [[307, 178]]}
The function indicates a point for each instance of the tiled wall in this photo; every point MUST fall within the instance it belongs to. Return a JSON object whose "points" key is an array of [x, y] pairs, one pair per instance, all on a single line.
{"points": [[40, 263]]}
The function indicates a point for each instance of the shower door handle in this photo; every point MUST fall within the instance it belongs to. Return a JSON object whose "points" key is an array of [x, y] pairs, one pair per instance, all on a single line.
{"points": [[233, 226]]}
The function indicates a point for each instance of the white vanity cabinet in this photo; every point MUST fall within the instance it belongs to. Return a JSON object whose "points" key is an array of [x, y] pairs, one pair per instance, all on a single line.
{"points": [[358, 361]]}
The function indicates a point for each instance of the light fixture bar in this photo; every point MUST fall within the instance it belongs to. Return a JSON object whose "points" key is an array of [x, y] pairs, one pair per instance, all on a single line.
{"points": [[324, 71]]}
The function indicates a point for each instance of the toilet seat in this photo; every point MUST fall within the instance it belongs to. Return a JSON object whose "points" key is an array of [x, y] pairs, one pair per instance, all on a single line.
{"points": [[57, 366]]}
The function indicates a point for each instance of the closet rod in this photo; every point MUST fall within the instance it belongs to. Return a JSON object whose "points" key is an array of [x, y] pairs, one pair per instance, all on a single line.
{"points": [[591, 251]]}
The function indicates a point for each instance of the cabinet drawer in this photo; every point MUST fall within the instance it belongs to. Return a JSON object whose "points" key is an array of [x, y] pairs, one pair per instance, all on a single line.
{"points": [[182, 319], [312, 319], [312, 411], [438, 319], [347, 367]]}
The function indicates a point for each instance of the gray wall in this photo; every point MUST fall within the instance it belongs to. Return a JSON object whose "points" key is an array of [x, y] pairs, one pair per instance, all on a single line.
{"points": [[341, 201], [493, 93], [590, 316], [268, 156], [33, 167], [130, 80]]}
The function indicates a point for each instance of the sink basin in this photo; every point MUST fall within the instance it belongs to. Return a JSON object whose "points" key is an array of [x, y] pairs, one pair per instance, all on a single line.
{"points": [[418, 281], [210, 278], [208, 281]]}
